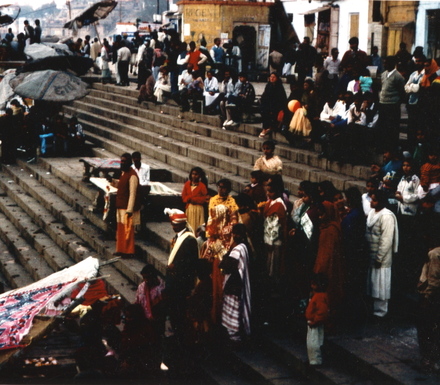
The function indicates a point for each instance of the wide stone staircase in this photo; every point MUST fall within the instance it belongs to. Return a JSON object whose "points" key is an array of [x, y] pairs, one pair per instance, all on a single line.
{"points": [[47, 223]]}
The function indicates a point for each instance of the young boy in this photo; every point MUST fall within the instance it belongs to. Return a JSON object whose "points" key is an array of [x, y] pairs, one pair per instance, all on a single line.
{"points": [[317, 313], [372, 186]]}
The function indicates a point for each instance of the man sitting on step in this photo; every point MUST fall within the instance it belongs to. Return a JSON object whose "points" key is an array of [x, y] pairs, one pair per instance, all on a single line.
{"points": [[241, 104]]}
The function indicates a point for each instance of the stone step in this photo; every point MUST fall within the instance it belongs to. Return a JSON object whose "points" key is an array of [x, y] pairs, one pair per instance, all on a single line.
{"points": [[76, 246], [177, 156], [290, 348], [28, 257], [184, 164], [159, 233], [28, 217], [246, 135], [383, 360], [92, 235], [215, 142], [13, 274]]}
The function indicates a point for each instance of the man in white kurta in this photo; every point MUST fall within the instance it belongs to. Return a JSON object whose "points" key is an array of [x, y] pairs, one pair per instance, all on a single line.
{"points": [[382, 237]]}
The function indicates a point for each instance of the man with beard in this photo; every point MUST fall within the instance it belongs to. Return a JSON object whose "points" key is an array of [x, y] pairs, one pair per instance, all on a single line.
{"points": [[128, 205]]}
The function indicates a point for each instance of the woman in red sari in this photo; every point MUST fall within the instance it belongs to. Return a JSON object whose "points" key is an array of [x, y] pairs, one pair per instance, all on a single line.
{"points": [[195, 195]]}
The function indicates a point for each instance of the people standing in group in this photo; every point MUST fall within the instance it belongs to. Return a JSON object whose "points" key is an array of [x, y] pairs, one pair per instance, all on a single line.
{"points": [[179, 283], [390, 98], [123, 61], [332, 64], [412, 89], [29, 33], [382, 235], [306, 59], [195, 57], [144, 61], [106, 76], [354, 59], [236, 309], [195, 196], [95, 50], [143, 172], [317, 314], [85, 50], [218, 54], [37, 31], [128, 205]]}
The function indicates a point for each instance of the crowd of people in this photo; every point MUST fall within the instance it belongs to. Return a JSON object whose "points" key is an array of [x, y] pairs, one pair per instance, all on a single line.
{"points": [[338, 102], [331, 259]]}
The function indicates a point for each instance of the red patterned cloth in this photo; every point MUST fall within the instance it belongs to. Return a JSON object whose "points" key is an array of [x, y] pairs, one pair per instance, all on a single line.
{"points": [[17, 312]]}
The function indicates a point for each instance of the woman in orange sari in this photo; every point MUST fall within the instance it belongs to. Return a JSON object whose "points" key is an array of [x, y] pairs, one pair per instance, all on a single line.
{"points": [[195, 196]]}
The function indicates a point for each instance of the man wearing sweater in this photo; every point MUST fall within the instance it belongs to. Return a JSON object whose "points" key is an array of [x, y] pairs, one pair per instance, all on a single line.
{"points": [[390, 98]]}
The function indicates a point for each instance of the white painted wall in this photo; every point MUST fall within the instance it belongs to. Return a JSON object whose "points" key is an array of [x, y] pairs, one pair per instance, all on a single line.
{"points": [[347, 7], [421, 25]]}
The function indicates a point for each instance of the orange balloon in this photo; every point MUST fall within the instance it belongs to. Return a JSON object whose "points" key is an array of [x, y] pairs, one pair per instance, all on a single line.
{"points": [[293, 105]]}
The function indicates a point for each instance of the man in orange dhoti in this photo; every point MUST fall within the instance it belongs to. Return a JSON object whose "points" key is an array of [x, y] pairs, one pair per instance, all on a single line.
{"points": [[128, 204]]}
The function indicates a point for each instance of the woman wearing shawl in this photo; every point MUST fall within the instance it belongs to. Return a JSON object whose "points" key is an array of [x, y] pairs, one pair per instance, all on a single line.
{"points": [[195, 196], [273, 101], [275, 230], [269, 163], [236, 310], [329, 260], [430, 96], [383, 238], [304, 243], [219, 226], [301, 124]]}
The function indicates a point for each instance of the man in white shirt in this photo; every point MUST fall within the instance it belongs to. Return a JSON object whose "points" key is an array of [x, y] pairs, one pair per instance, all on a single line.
{"points": [[143, 172], [124, 55]]}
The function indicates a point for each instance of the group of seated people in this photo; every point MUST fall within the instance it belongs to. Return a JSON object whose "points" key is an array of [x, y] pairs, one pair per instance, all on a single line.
{"points": [[230, 98], [38, 129]]}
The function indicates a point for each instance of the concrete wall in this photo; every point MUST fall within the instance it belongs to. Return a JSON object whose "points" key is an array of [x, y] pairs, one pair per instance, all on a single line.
{"points": [[422, 25], [211, 19], [346, 9]]}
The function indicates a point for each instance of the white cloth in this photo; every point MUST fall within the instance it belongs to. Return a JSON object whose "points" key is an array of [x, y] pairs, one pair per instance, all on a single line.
{"points": [[184, 79], [366, 203], [124, 54], [315, 339], [210, 85], [379, 283], [327, 111], [408, 187], [332, 66], [240, 253], [143, 173], [104, 59]]}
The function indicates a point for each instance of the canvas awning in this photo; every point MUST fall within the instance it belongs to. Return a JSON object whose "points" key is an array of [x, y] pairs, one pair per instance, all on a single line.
{"points": [[316, 10]]}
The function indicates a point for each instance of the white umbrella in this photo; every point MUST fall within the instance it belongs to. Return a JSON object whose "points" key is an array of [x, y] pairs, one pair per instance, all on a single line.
{"points": [[40, 51], [6, 91], [49, 85]]}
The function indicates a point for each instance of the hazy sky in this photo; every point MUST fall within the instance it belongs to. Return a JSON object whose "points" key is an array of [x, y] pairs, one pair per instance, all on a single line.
{"points": [[38, 3]]}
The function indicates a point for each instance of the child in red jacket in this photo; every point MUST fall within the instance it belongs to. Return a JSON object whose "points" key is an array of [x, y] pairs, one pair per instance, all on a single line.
{"points": [[317, 312]]}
